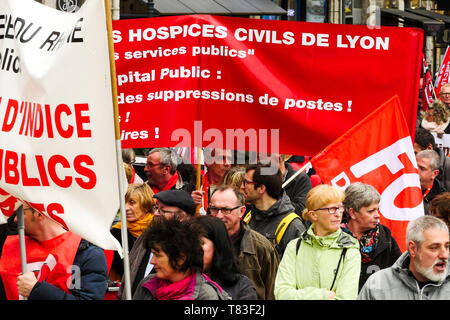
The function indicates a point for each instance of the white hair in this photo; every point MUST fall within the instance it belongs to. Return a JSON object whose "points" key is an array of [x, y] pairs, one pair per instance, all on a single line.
{"points": [[416, 228]]}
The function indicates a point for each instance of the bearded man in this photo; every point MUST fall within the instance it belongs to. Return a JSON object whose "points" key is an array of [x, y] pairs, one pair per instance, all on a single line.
{"points": [[422, 272]]}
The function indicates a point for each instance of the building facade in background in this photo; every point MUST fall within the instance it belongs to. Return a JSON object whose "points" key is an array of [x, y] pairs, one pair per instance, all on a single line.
{"points": [[433, 16]]}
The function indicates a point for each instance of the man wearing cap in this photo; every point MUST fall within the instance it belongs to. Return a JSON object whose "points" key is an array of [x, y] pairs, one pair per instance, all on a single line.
{"points": [[171, 204], [176, 204]]}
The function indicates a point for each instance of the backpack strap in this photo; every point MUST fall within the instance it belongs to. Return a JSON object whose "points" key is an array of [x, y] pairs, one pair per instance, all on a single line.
{"points": [[303, 236], [297, 246], [342, 257], [247, 217], [281, 229]]}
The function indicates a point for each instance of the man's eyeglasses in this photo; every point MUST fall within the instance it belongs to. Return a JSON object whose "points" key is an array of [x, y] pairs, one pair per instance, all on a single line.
{"points": [[164, 212], [250, 182], [445, 94], [152, 165], [225, 211], [332, 210]]}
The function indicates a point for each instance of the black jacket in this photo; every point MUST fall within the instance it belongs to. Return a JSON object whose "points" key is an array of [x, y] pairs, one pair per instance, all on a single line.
{"points": [[7, 229], [386, 253], [297, 189], [435, 190], [444, 169]]}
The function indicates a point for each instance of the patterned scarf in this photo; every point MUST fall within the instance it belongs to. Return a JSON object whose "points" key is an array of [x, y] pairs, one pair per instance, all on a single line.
{"points": [[368, 242]]}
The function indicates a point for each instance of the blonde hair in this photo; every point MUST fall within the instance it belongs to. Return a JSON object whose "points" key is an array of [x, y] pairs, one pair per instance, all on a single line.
{"points": [[145, 195], [234, 177], [320, 196], [128, 171], [441, 112]]}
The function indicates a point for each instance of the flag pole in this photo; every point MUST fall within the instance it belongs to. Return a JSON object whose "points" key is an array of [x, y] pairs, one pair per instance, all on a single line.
{"points": [[434, 91], [21, 231], [124, 230], [296, 174], [199, 174], [431, 82]]}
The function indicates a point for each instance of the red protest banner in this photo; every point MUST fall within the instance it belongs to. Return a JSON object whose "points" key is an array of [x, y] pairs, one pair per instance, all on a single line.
{"points": [[385, 161], [304, 83], [443, 74], [427, 93]]}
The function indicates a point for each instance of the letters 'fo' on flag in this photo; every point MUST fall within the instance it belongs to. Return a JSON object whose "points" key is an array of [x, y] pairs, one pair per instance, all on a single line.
{"points": [[427, 93], [378, 151], [443, 73]]}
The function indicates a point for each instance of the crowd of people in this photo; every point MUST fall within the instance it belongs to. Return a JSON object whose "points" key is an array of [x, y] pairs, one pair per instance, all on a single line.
{"points": [[242, 235], [252, 241]]}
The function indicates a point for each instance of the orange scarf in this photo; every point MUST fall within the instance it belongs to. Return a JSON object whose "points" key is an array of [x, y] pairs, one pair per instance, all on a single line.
{"points": [[137, 227]]}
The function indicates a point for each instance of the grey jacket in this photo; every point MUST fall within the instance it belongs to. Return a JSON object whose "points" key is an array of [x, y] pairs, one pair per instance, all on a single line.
{"points": [[397, 283], [242, 289], [204, 290]]}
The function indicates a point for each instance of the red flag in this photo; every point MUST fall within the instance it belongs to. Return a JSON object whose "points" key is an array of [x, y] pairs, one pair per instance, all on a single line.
{"points": [[427, 93], [443, 73], [378, 151], [268, 93]]}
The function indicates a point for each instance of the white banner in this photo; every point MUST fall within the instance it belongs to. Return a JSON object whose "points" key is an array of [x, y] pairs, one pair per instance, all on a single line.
{"points": [[57, 143]]}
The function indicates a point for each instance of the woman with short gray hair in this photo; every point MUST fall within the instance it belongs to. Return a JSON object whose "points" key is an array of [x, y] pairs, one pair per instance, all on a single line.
{"points": [[378, 248]]}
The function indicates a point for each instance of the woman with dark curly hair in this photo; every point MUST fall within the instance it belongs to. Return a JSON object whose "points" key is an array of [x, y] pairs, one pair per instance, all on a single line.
{"points": [[219, 261], [178, 262]]}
